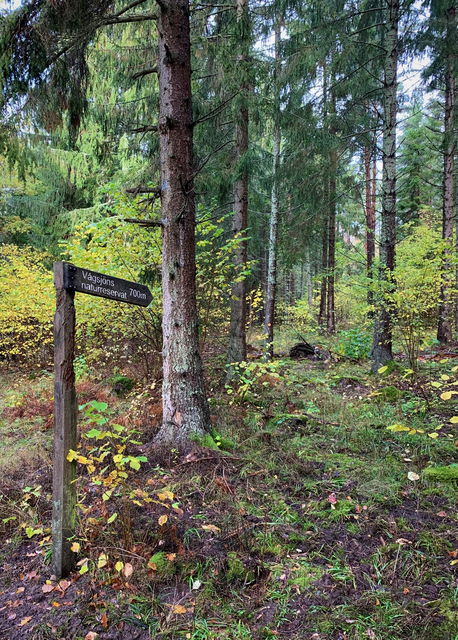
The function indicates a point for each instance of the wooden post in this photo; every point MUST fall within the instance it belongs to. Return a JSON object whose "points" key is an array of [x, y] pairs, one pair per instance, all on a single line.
{"points": [[65, 432]]}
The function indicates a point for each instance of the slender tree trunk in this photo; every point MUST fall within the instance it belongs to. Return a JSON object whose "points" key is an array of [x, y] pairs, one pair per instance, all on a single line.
{"points": [[330, 311], [185, 408], [325, 237], [382, 346], [237, 337], [324, 269], [370, 223], [308, 278], [445, 319], [273, 223]]}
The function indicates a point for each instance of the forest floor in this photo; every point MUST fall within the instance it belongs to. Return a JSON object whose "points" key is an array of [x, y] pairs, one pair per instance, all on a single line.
{"points": [[308, 519]]}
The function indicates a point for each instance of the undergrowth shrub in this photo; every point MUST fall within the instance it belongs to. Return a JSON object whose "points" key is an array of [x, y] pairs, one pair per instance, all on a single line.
{"points": [[354, 343], [26, 304]]}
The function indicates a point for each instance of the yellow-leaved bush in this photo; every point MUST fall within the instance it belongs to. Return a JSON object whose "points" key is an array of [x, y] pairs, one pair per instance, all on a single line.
{"points": [[26, 304], [107, 329]]}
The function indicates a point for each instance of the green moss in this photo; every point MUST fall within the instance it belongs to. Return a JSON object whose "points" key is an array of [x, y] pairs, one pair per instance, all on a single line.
{"points": [[162, 566], [442, 474], [236, 570], [387, 394], [214, 440]]}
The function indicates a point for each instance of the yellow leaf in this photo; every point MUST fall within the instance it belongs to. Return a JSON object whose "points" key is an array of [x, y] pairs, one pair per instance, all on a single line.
{"points": [[72, 455], [102, 561], [162, 520], [453, 562], [398, 427], [448, 394], [179, 609], [433, 435], [382, 369], [25, 621], [454, 419], [210, 527], [75, 547], [119, 565], [165, 495]]}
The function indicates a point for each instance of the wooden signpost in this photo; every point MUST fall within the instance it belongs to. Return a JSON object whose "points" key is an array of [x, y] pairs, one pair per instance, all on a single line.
{"points": [[67, 280]]}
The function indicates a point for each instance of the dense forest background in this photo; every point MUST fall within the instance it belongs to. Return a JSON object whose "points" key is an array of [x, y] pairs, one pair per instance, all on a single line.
{"points": [[343, 161], [269, 449]]}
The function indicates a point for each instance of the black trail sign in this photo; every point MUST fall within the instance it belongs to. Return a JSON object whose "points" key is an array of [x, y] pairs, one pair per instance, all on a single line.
{"points": [[99, 284], [67, 280]]}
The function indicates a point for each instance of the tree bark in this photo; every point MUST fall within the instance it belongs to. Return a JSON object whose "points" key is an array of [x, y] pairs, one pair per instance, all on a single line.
{"points": [[273, 222], [324, 269], [330, 311], [308, 277], [382, 345], [370, 223], [445, 316], [237, 337], [185, 407]]}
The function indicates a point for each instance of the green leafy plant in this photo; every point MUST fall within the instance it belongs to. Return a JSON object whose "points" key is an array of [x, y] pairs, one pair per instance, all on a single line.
{"points": [[354, 343], [249, 375]]}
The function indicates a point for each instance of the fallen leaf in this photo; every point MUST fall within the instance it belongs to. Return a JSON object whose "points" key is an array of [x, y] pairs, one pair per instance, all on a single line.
{"points": [[128, 570], [210, 527], [413, 476], [441, 514], [20, 590], [162, 520], [25, 621], [332, 498], [92, 635], [179, 609], [165, 495], [102, 561], [47, 588], [75, 547], [104, 620], [63, 585], [119, 565]]}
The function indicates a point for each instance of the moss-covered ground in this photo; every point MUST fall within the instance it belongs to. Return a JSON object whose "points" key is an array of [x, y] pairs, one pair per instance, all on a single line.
{"points": [[309, 519]]}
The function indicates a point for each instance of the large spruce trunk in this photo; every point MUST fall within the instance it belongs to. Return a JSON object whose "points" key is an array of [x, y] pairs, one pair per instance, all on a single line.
{"points": [[382, 345], [185, 408], [445, 316], [273, 222], [237, 331]]}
